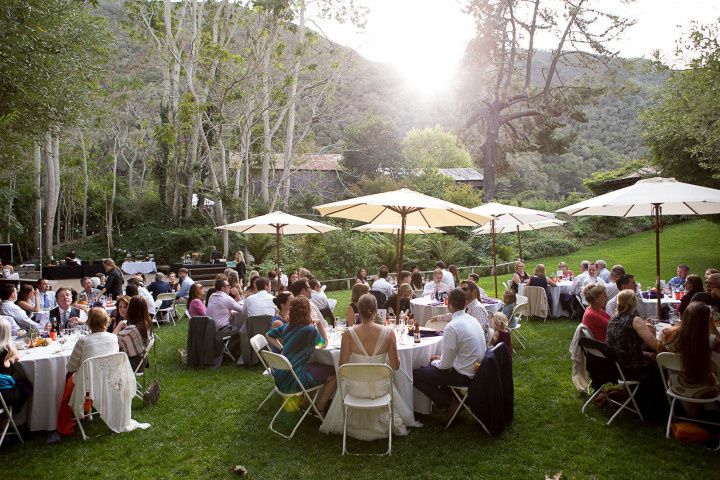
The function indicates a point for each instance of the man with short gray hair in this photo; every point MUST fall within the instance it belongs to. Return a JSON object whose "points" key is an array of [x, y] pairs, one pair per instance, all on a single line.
{"points": [[602, 270]]}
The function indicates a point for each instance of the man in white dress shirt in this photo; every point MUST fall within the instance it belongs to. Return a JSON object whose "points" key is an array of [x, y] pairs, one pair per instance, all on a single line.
{"points": [[447, 277], [382, 284], [602, 270], [260, 303], [611, 288], [8, 295], [477, 309], [437, 286], [580, 278], [625, 282], [463, 347]]}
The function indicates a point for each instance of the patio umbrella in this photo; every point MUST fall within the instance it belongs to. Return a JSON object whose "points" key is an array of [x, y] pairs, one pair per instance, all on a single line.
{"points": [[406, 208], [508, 218], [651, 197], [278, 223]]}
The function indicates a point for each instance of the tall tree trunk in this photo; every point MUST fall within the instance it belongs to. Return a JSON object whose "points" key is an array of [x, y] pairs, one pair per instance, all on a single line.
{"points": [[490, 151], [52, 190], [10, 204], [111, 206], [37, 165], [267, 135], [86, 184]]}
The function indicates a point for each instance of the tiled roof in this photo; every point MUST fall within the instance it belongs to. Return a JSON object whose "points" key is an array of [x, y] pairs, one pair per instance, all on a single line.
{"points": [[462, 174]]}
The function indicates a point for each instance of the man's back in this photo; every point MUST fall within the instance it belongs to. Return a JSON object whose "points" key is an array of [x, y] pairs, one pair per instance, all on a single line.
{"points": [[463, 345], [259, 304]]}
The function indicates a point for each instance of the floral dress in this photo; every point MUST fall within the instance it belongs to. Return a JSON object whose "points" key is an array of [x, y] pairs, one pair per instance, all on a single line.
{"points": [[626, 344]]}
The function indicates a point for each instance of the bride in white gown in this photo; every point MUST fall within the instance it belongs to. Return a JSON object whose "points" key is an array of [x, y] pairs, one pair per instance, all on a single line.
{"points": [[356, 342]]}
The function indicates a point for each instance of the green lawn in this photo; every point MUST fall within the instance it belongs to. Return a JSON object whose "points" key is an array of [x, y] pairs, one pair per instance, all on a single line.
{"points": [[206, 420]]}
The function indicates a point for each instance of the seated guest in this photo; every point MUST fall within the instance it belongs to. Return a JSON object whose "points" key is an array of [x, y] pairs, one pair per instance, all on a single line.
{"points": [[131, 290], [711, 295], [463, 347], [65, 315], [611, 288], [9, 273], [75, 303], [113, 281], [274, 283], [566, 272], [173, 281], [97, 344], [283, 281], [185, 283], [625, 282], [509, 299], [382, 284], [144, 293], [361, 277], [118, 319], [88, 294], [15, 396], [221, 306], [709, 272], [447, 277], [436, 287], [540, 280], [474, 277], [101, 280], [140, 277], [294, 277], [692, 339], [301, 288], [160, 285], [134, 338], [282, 303], [9, 295], [455, 274], [405, 292], [317, 296], [236, 286], [196, 303], [28, 299], [47, 296], [304, 273], [679, 280], [404, 277], [416, 281], [352, 314], [602, 270], [595, 316], [297, 340], [476, 309], [520, 276], [501, 328], [262, 303], [693, 285], [579, 280]]}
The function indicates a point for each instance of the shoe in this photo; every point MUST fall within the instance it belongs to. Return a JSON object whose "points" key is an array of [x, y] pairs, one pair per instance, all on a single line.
{"points": [[53, 439]]}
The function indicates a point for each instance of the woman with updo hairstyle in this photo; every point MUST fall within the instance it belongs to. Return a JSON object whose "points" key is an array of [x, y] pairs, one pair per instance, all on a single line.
{"points": [[405, 292], [595, 316], [282, 302], [134, 338], [351, 314], [417, 281], [693, 285], [196, 305], [297, 340]]}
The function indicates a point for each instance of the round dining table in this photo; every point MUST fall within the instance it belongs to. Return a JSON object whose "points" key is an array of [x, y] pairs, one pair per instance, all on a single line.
{"points": [[561, 287], [425, 308], [45, 368]]}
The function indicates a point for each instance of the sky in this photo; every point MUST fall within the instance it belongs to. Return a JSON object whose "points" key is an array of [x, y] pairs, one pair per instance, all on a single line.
{"points": [[425, 39]]}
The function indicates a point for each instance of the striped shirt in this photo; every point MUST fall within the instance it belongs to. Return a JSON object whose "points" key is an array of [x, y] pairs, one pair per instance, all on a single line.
{"points": [[298, 346]]}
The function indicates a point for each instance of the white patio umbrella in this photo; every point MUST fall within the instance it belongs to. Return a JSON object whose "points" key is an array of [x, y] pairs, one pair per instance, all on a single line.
{"points": [[508, 218], [655, 197], [278, 223], [406, 208]]}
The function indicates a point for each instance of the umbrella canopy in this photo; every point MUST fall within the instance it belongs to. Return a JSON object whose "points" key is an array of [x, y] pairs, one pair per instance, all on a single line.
{"points": [[653, 196], [509, 218], [403, 207], [395, 229], [278, 223]]}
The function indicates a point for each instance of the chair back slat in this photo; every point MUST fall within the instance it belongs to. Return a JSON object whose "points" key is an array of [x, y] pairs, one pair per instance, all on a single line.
{"points": [[364, 372], [166, 296], [672, 361], [275, 361]]}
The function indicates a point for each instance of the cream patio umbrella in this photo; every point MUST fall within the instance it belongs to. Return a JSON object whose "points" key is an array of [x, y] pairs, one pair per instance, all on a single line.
{"points": [[508, 218], [278, 223], [651, 197], [406, 208]]}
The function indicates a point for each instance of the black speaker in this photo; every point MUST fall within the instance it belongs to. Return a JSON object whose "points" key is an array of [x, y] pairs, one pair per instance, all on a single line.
{"points": [[6, 253]]}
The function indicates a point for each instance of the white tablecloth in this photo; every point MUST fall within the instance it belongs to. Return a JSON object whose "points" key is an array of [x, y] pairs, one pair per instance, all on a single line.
{"points": [[132, 268], [425, 307], [562, 286], [411, 355], [45, 368], [648, 308]]}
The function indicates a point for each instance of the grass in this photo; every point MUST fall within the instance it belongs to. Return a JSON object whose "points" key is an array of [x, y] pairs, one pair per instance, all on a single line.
{"points": [[206, 420]]}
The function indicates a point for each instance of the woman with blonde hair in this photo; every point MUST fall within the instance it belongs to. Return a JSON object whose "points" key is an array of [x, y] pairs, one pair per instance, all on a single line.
{"points": [[595, 316], [17, 395], [405, 292], [520, 276], [240, 265], [540, 280], [352, 313]]}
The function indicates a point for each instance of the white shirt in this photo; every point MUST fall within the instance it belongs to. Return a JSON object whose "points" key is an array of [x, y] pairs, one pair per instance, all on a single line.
{"points": [[477, 310], [448, 279], [260, 303], [604, 274], [611, 290], [283, 280], [578, 283], [319, 299], [463, 345], [382, 285], [431, 288], [14, 327], [82, 316], [47, 299], [612, 304], [19, 315], [147, 296]]}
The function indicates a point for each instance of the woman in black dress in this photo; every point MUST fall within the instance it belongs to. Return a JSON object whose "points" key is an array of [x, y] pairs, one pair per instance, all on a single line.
{"points": [[540, 280], [113, 280]]}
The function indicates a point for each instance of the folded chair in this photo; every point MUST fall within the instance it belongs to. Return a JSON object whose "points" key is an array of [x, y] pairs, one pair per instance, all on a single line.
{"points": [[365, 373], [517, 314], [167, 314], [140, 369], [260, 343], [603, 369], [667, 362], [277, 362], [5, 410]]}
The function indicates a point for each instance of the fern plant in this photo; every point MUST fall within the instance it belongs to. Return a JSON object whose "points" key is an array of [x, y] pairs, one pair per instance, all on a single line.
{"points": [[447, 248], [261, 247]]}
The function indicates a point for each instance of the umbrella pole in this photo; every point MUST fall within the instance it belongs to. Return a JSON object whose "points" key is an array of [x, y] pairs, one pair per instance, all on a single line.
{"points": [[519, 242], [492, 226], [400, 262], [656, 207], [277, 257]]}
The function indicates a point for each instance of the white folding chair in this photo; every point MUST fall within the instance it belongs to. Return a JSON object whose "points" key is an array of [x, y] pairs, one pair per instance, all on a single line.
{"points": [[520, 299], [278, 362], [4, 409], [365, 373], [140, 369], [508, 284], [260, 343], [167, 314], [671, 361], [630, 387], [517, 314], [461, 394]]}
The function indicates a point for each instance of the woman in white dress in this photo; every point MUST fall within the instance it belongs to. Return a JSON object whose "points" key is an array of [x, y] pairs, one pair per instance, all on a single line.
{"points": [[356, 343]]}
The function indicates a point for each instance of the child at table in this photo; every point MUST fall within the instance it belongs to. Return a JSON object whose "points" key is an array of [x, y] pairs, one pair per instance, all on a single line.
{"points": [[509, 300], [502, 331], [16, 395]]}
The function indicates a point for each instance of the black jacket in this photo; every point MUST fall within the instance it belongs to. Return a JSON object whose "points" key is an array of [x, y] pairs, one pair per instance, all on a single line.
{"points": [[113, 283], [55, 319], [491, 394], [204, 343]]}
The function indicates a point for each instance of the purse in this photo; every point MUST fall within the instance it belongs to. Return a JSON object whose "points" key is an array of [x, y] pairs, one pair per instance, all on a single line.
{"points": [[152, 394]]}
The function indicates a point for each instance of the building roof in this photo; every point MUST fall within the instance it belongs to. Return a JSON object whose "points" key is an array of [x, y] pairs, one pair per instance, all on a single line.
{"points": [[462, 174], [327, 162]]}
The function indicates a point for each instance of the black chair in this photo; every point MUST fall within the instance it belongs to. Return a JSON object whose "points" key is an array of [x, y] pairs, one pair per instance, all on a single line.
{"points": [[380, 297]]}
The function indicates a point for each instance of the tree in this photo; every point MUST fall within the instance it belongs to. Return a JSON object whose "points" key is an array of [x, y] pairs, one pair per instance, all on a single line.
{"points": [[683, 130], [516, 105], [434, 148], [371, 146]]}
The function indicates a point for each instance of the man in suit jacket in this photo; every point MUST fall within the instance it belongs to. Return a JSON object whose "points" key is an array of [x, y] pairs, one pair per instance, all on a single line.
{"points": [[64, 315]]}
